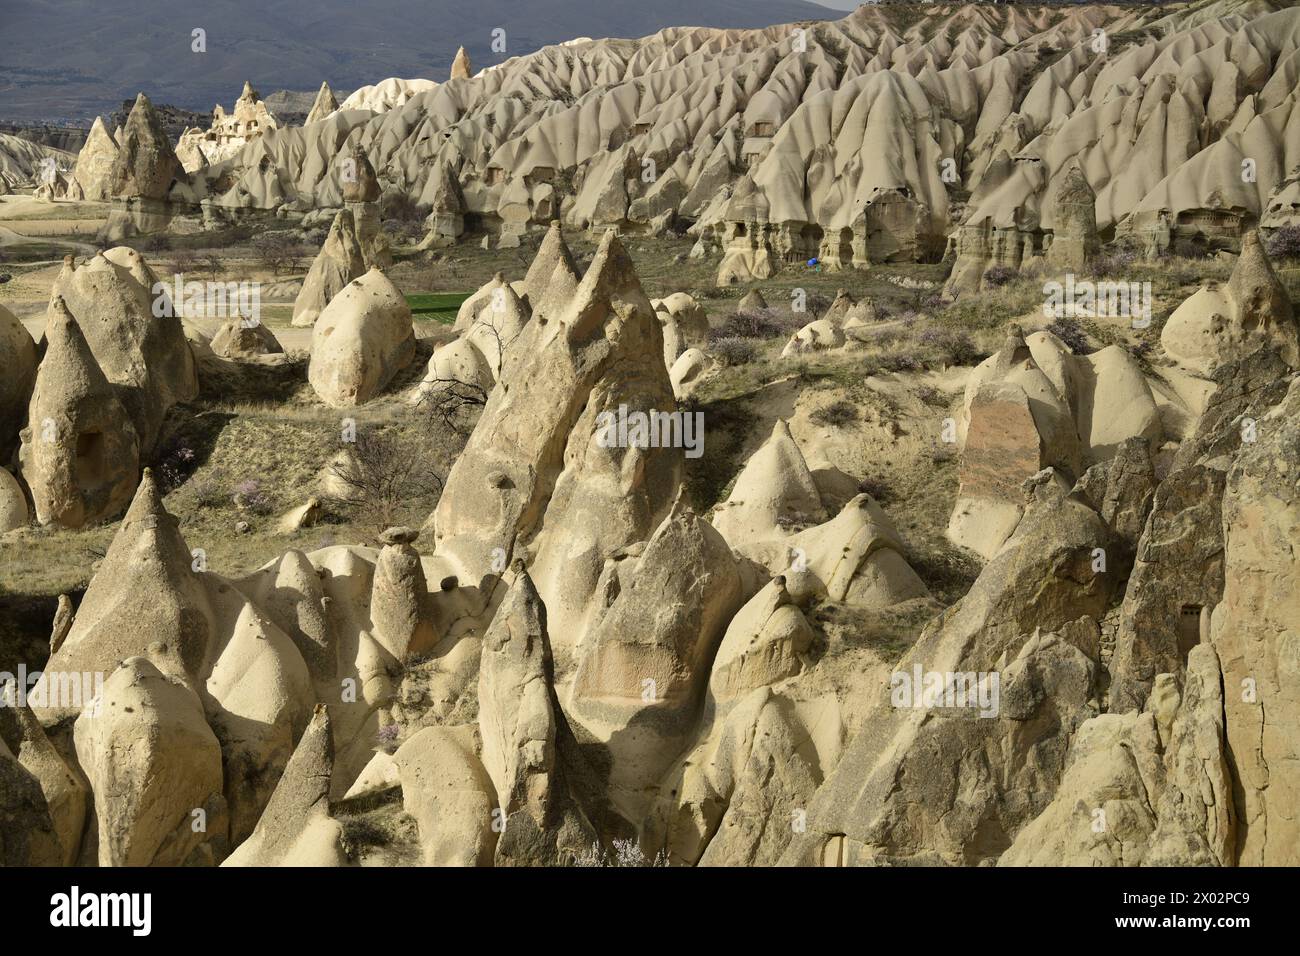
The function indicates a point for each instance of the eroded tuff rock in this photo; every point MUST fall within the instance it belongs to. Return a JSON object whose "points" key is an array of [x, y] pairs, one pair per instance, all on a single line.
{"points": [[145, 166], [362, 339], [1034, 404], [96, 162], [1149, 788], [1220, 325], [642, 668], [136, 338], [338, 263], [1177, 576], [528, 748], [152, 762], [1254, 632], [503, 481], [926, 784], [80, 452], [18, 352], [296, 828]]}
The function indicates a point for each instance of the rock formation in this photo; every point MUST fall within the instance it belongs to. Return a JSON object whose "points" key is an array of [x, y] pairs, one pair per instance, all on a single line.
{"points": [[323, 105], [145, 166], [339, 261], [460, 68], [1221, 325], [80, 452], [361, 340], [95, 163]]}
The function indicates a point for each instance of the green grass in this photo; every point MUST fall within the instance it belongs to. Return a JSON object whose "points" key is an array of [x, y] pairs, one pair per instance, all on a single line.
{"points": [[436, 306]]}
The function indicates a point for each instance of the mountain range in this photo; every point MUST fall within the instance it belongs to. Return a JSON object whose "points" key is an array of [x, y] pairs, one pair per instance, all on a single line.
{"points": [[93, 55]]}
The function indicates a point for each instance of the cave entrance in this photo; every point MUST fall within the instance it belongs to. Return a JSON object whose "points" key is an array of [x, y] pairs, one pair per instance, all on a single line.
{"points": [[89, 465], [1189, 629]]}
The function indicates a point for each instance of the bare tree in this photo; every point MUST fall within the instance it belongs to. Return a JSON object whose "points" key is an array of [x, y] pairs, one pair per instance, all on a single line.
{"points": [[448, 399], [383, 476]]}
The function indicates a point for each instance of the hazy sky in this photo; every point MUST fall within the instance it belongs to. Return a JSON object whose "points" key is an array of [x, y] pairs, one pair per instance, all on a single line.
{"points": [[838, 4]]}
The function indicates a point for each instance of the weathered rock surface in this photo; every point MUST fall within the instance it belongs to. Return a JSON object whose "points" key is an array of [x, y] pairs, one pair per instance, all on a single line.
{"points": [[362, 339]]}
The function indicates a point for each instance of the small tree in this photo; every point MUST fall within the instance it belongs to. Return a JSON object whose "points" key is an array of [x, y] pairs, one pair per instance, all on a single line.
{"points": [[276, 251], [383, 476]]}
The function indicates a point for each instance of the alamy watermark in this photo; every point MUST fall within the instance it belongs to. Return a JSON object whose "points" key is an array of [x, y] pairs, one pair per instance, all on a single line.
{"points": [[208, 299], [651, 429], [920, 689], [61, 689], [1075, 299]]}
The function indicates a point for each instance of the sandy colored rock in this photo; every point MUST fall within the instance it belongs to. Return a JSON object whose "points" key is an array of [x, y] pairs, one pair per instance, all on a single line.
{"points": [[241, 339], [14, 512], [447, 791], [141, 348], [80, 452], [460, 68], [95, 162], [145, 166], [296, 828], [338, 263], [151, 761], [324, 104], [362, 339]]}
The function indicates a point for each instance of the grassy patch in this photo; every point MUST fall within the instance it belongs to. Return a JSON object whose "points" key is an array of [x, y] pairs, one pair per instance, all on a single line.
{"points": [[436, 306]]}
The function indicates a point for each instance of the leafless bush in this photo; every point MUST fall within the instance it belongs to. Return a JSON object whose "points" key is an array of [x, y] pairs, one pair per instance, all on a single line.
{"points": [[383, 475], [734, 351], [277, 252]]}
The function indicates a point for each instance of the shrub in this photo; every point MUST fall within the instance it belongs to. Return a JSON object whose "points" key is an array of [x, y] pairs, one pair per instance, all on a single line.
{"points": [[1115, 262], [1072, 334], [876, 487], [625, 853], [951, 346], [400, 206], [998, 276], [929, 395], [250, 497], [178, 463], [901, 360], [385, 476], [207, 494], [756, 324], [735, 351], [1284, 243], [838, 414]]}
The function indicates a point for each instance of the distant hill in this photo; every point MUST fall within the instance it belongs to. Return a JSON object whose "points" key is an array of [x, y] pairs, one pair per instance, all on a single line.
{"points": [[72, 59]]}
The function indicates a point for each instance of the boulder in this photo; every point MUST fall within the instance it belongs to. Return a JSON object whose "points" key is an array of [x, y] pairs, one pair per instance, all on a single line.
{"points": [[240, 339], [362, 339]]}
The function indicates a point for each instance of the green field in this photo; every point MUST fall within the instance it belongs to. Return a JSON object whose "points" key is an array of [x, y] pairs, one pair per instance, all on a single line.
{"points": [[436, 306]]}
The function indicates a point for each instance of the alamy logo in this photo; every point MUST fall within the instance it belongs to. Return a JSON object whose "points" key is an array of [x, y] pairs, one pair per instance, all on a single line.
{"points": [[1098, 300], [74, 908], [651, 429], [950, 690], [72, 689], [208, 299]]}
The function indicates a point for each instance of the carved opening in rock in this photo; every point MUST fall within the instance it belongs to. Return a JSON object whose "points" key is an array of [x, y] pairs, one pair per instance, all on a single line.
{"points": [[90, 468], [1189, 629]]}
